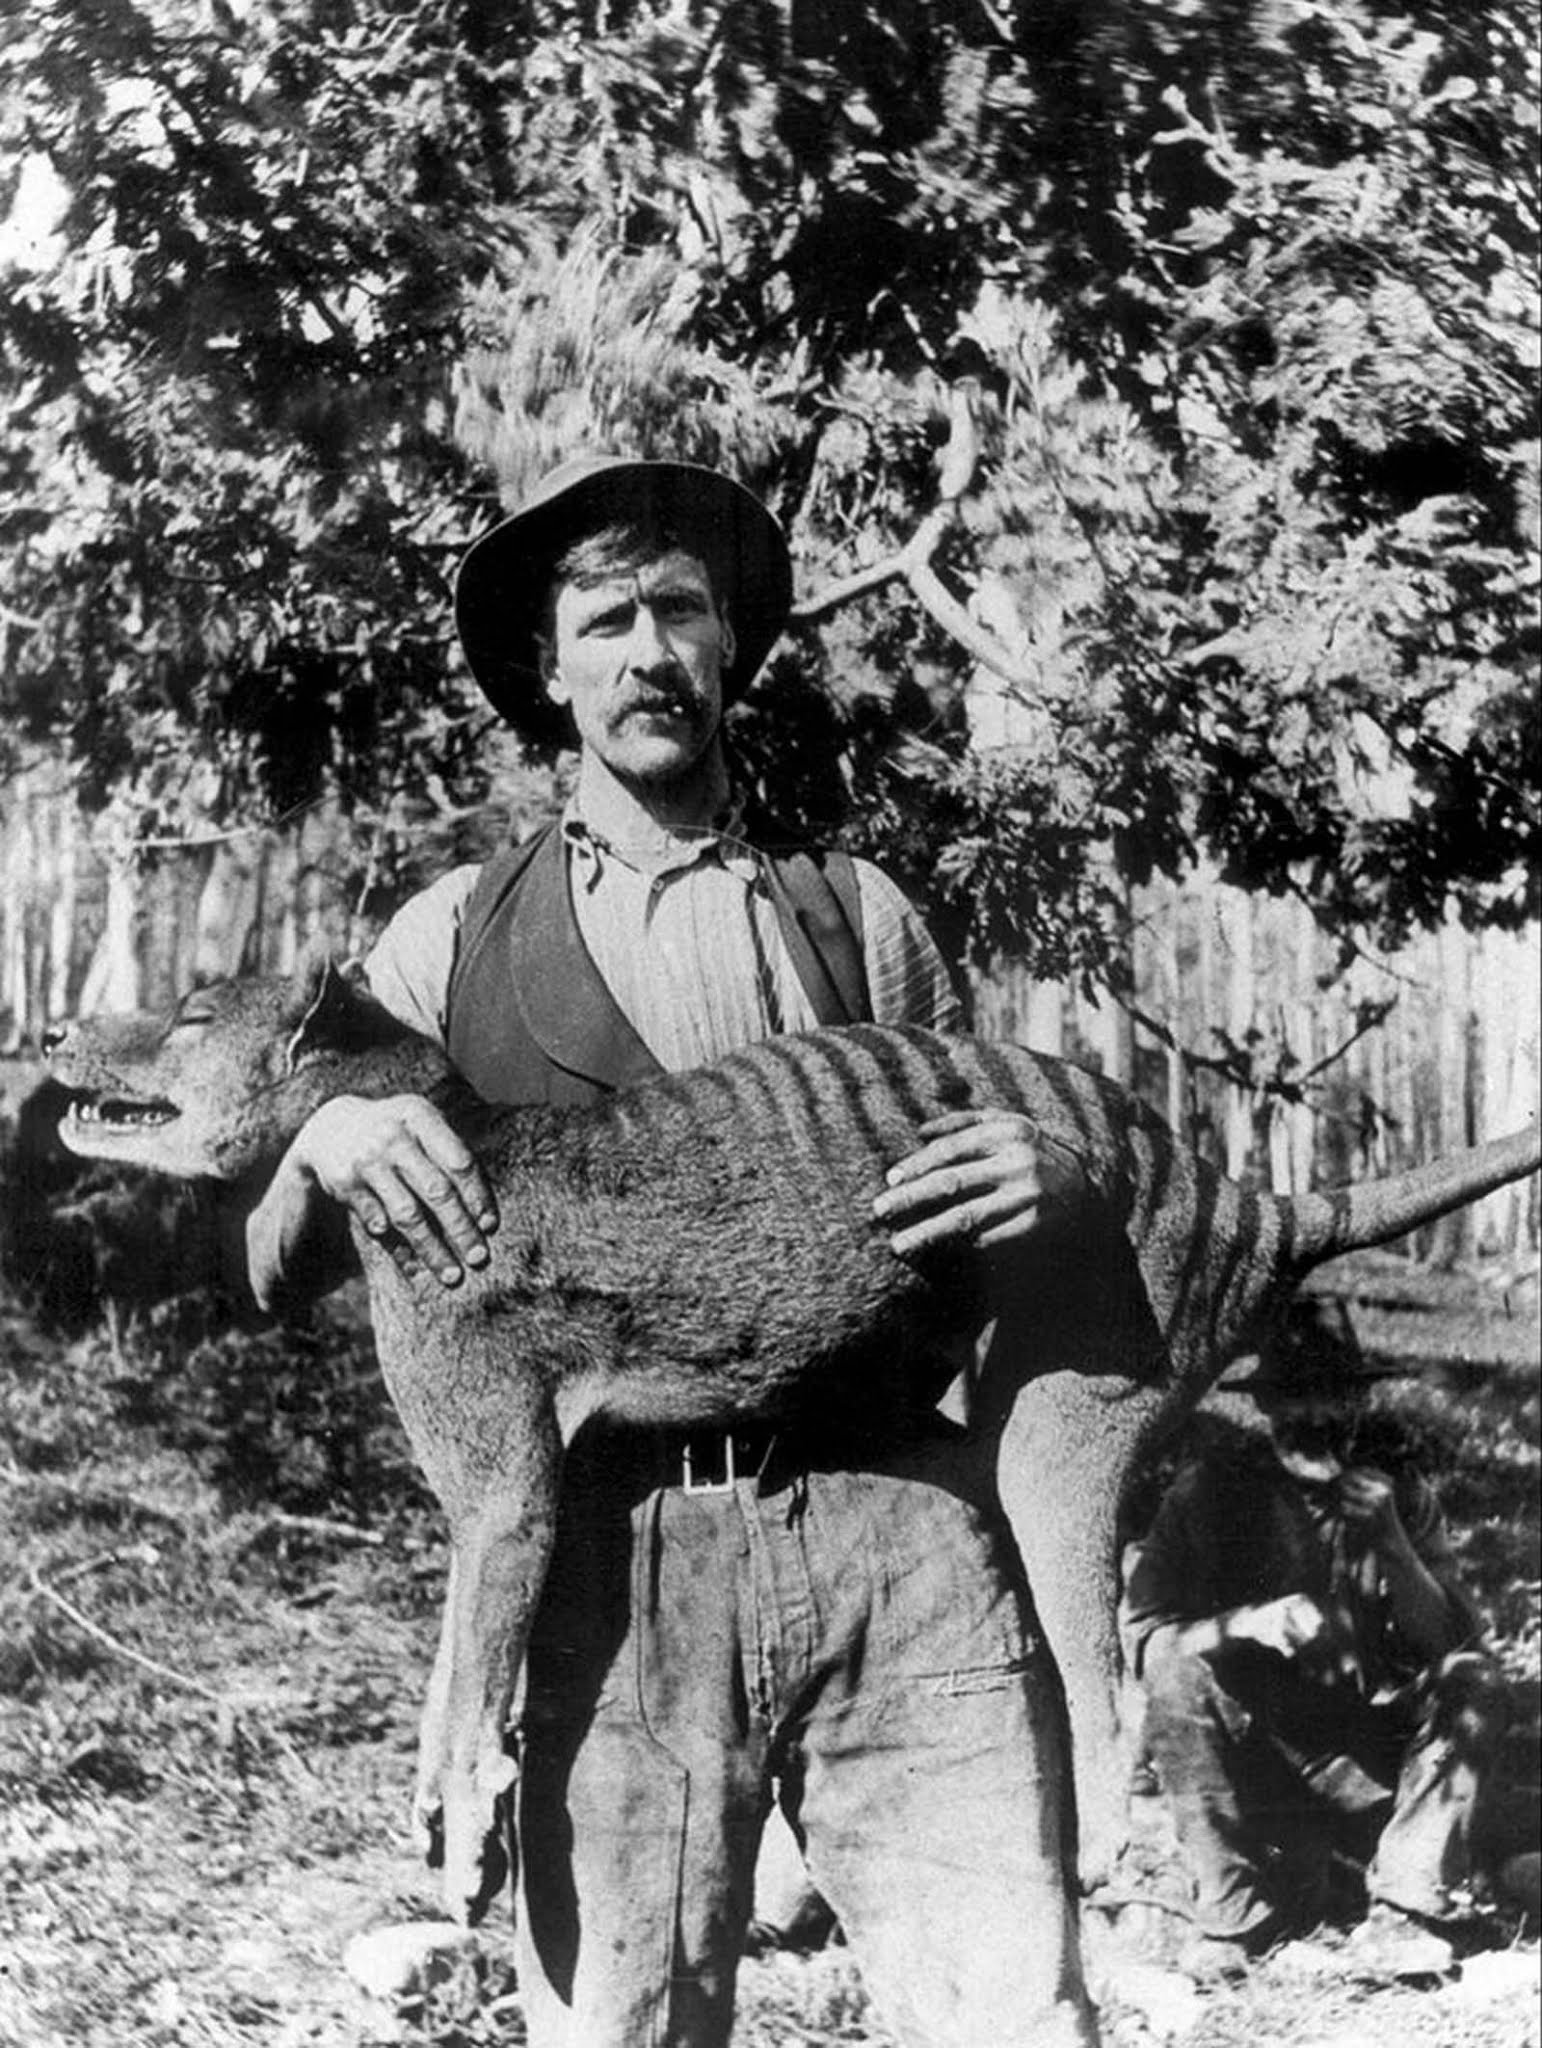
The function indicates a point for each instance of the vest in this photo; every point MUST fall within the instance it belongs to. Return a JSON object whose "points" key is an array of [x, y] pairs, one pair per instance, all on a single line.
{"points": [[531, 1019]]}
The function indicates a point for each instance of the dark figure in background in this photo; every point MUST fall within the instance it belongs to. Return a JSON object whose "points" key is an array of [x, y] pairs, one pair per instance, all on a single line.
{"points": [[1314, 1676]]}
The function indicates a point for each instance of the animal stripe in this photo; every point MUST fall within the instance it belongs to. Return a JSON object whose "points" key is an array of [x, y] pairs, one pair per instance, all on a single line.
{"points": [[831, 1070], [670, 1257]]}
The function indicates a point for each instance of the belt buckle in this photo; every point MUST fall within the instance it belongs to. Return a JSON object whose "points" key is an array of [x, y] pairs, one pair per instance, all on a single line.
{"points": [[707, 1483]]}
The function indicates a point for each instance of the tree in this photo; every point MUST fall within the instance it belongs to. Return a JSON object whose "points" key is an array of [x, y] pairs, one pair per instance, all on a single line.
{"points": [[1236, 302], [231, 504], [1146, 390]]}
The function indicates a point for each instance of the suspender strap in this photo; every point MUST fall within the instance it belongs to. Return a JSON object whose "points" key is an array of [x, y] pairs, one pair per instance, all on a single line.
{"points": [[819, 913]]}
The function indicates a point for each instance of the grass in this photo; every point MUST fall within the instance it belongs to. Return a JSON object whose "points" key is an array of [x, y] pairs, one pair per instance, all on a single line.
{"points": [[216, 1618]]}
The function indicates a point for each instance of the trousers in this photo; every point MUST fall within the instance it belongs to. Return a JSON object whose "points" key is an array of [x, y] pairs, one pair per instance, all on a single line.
{"points": [[852, 1643], [1262, 1761]]}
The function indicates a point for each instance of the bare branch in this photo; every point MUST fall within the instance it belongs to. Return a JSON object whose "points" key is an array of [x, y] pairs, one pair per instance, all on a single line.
{"points": [[99, 1497], [1372, 1015], [309, 1525], [974, 638], [125, 1650], [957, 465], [848, 587], [1163, 1034], [119, 1501]]}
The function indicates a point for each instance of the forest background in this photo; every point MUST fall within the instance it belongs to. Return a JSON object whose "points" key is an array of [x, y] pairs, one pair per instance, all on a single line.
{"points": [[1148, 390]]}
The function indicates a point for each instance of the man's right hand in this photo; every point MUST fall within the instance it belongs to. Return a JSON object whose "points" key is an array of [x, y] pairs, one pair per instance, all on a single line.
{"points": [[403, 1173], [1289, 1625]]}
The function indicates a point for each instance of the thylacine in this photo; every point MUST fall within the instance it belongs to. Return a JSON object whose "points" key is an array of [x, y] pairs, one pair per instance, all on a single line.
{"points": [[699, 1249]]}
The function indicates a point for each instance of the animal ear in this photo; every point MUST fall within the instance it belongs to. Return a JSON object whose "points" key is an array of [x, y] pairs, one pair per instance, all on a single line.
{"points": [[325, 991]]}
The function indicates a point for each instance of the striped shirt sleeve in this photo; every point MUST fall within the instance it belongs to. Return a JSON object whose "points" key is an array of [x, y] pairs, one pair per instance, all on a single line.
{"points": [[410, 964], [907, 977]]}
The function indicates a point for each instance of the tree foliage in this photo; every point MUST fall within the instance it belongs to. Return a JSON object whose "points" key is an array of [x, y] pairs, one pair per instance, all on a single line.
{"points": [[231, 496], [1148, 392]]}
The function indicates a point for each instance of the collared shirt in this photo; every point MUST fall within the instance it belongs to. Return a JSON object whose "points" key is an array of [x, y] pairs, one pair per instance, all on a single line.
{"points": [[688, 944]]}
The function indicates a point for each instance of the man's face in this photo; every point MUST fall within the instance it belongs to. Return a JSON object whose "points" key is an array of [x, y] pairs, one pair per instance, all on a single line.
{"points": [[1311, 1437], [638, 659]]}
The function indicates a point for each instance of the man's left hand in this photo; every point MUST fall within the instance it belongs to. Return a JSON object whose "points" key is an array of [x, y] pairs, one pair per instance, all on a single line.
{"points": [[983, 1179], [1368, 1503]]}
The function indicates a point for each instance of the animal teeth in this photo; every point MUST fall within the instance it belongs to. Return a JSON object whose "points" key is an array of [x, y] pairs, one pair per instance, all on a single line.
{"points": [[119, 1114]]}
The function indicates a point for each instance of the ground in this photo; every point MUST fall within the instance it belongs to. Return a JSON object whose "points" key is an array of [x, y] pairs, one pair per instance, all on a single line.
{"points": [[215, 1625]]}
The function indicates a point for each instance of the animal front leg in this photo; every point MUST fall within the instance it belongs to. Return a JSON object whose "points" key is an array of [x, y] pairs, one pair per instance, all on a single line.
{"points": [[433, 1736], [501, 1556]]}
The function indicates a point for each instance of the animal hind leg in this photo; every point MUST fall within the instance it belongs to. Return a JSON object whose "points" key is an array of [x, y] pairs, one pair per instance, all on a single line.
{"points": [[1063, 1462]]}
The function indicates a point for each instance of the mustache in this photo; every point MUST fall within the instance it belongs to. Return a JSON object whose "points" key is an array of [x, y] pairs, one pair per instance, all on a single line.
{"points": [[665, 689]]}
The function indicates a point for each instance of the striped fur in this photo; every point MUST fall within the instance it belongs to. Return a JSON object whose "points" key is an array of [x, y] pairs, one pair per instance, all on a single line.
{"points": [[700, 1250]]}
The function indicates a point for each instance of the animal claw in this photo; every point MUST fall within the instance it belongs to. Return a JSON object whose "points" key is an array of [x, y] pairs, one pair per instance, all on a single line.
{"points": [[471, 1840], [468, 1895], [1099, 1850], [430, 1828]]}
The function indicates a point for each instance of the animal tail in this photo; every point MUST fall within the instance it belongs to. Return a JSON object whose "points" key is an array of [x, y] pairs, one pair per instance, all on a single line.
{"points": [[1371, 1212]]}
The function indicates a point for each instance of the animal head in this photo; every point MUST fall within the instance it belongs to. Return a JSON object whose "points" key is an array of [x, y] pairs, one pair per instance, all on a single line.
{"points": [[219, 1085]]}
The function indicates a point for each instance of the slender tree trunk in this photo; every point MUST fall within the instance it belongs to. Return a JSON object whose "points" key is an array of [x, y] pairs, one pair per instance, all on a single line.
{"points": [[227, 909], [1237, 921], [114, 979], [61, 916], [1110, 1025], [1175, 1097], [1453, 1236], [22, 889], [1508, 1012]]}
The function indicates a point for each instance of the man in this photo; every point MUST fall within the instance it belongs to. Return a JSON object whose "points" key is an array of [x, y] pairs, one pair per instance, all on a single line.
{"points": [[831, 1615], [1312, 1678]]}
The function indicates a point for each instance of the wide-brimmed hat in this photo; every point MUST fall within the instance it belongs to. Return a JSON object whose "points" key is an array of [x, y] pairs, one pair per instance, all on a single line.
{"points": [[1312, 1356], [504, 584]]}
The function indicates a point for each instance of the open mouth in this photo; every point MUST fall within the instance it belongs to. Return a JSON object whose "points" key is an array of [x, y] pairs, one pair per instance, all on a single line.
{"points": [[107, 1113]]}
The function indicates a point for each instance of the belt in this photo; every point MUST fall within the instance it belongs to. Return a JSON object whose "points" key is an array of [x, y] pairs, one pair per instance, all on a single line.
{"points": [[714, 1460], [710, 1460]]}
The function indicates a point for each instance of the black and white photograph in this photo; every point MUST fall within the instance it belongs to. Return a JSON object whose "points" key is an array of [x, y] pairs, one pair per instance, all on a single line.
{"points": [[770, 1024]]}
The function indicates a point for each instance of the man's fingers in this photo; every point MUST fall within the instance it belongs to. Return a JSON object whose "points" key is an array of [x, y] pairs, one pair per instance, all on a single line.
{"points": [[391, 1211], [964, 1180], [984, 1217], [446, 1203], [396, 1209], [967, 1136], [944, 1175], [953, 1120], [1304, 1621], [408, 1178], [452, 1159], [1001, 1236], [978, 1177]]}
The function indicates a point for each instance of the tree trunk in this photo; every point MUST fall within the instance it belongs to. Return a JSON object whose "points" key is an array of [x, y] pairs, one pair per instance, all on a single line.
{"points": [[114, 979], [61, 916], [227, 909], [1452, 1238], [1506, 1013], [1237, 915]]}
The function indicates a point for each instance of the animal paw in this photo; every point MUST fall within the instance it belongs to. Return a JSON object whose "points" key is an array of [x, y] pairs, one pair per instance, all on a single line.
{"points": [[1101, 1842], [475, 1840], [428, 1827]]}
